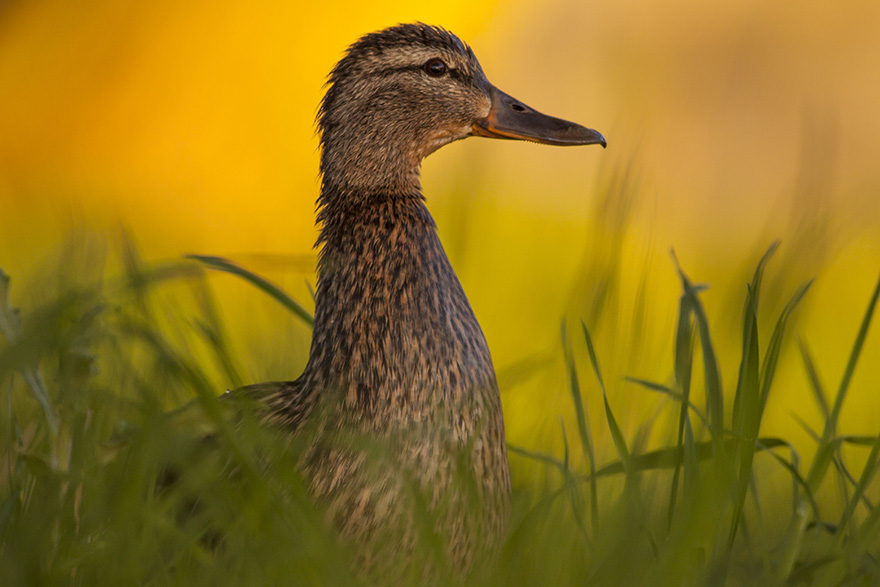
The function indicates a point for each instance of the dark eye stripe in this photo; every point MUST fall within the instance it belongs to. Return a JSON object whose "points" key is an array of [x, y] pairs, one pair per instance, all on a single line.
{"points": [[457, 74], [453, 72]]}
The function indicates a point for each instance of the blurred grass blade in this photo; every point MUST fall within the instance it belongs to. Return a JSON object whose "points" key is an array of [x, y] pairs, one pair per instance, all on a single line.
{"points": [[574, 495], [684, 358], [746, 395], [755, 387], [869, 530], [666, 458], [758, 277], [823, 456], [759, 270], [806, 427], [616, 434], [792, 547], [746, 399], [792, 468], [840, 465], [266, 286], [209, 403], [815, 383], [746, 410], [851, 363], [868, 472], [537, 456], [679, 398], [212, 329], [690, 461], [9, 505], [583, 426], [523, 370], [771, 356], [711, 373], [593, 359], [10, 327]]}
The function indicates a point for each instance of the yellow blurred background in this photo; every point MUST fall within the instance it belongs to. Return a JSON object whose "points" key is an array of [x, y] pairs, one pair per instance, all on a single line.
{"points": [[730, 125]]}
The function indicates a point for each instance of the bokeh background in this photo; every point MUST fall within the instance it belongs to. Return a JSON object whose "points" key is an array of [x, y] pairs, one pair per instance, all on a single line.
{"points": [[730, 125]]}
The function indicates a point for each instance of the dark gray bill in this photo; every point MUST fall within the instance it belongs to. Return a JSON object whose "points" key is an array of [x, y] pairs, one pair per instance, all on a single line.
{"points": [[511, 119]]}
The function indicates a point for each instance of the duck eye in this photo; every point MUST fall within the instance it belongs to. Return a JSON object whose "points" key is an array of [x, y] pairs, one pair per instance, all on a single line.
{"points": [[435, 67]]}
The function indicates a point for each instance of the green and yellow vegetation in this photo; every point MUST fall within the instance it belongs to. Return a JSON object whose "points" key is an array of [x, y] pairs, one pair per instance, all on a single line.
{"points": [[732, 436]]}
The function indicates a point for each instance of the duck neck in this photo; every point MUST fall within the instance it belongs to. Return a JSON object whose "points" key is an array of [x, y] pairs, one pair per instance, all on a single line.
{"points": [[392, 323], [376, 161]]}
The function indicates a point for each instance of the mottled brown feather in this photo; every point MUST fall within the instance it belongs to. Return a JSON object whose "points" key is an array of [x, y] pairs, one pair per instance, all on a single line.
{"points": [[398, 401]]}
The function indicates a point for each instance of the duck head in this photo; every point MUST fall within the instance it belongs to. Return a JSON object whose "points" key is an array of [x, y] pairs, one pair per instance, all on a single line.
{"points": [[402, 93]]}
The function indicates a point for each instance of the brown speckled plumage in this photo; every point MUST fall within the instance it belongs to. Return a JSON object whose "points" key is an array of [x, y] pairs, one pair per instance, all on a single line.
{"points": [[398, 400]]}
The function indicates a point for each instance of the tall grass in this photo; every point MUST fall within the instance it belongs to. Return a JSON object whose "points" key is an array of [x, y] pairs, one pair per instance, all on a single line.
{"points": [[88, 379]]}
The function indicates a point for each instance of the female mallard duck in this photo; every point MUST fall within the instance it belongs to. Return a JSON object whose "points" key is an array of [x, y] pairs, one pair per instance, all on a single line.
{"points": [[399, 401]]}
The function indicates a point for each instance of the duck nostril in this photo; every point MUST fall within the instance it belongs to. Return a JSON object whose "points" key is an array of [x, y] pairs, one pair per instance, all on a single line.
{"points": [[517, 107]]}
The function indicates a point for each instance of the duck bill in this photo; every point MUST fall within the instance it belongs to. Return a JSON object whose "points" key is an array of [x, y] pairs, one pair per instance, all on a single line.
{"points": [[511, 119]]}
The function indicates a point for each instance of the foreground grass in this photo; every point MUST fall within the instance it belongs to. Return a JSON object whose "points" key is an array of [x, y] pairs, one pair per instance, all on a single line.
{"points": [[83, 447]]}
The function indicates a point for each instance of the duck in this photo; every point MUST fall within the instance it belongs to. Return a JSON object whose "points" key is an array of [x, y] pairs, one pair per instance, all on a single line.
{"points": [[398, 403]]}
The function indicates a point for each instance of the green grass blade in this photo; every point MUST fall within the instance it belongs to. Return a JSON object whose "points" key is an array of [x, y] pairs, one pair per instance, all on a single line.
{"points": [[690, 460], [841, 467], [523, 370], [714, 397], [263, 284], [853, 361], [746, 413], [592, 351], [747, 384], [583, 426], [759, 270], [207, 399], [678, 397], [766, 446], [857, 440], [771, 356], [711, 373], [746, 399], [212, 329], [219, 345], [616, 434], [833, 447], [870, 529], [793, 546], [684, 358], [536, 456], [10, 328], [820, 465], [753, 389], [806, 427], [666, 458], [6, 510], [815, 383], [574, 494], [868, 472]]}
